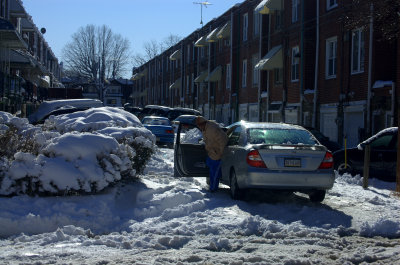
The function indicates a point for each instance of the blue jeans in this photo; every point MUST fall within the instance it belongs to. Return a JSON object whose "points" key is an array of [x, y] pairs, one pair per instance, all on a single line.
{"points": [[215, 172]]}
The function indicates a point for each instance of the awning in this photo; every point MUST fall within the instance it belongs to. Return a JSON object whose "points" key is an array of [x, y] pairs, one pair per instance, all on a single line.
{"points": [[275, 107], [212, 37], [225, 31], [201, 42], [176, 55], [268, 6], [44, 81], [202, 76], [272, 60], [176, 84], [215, 75], [136, 76], [9, 37]]}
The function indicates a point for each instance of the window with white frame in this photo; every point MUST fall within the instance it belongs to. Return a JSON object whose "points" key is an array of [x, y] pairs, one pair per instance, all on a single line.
{"points": [[228, 76], [331, 59], [295, 10], [295, 64], [357, 51], [256, 72], [244, 73], [256, 24], [331, 4], [245, 26]]}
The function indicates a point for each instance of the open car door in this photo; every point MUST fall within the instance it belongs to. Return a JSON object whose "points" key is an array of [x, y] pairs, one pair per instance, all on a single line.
{"points": [[189, 154]]}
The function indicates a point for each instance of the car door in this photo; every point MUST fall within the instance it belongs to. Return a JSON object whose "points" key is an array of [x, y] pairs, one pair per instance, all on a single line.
{"points": [[228, 159], [189, 152]]}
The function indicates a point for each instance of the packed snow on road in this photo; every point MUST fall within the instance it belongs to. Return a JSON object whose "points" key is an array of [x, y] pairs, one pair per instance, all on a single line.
{"points": [[155, 218]]}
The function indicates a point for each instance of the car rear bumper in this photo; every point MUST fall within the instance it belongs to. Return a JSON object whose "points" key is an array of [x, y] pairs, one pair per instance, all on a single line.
{"points": [[295, 180], [165, 139]]}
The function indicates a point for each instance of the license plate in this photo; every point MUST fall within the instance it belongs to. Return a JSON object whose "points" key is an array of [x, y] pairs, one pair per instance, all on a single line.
{"points": [[292, 162]]}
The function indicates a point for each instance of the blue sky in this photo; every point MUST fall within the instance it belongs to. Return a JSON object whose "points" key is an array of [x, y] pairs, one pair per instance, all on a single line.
{"points": [[137, 20]]}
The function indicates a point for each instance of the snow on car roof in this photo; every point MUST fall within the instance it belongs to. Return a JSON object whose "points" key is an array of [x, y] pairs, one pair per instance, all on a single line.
{"points": [[270, 125]]}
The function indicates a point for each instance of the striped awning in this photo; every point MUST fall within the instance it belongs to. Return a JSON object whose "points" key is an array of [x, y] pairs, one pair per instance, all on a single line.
{"points": [[225, 31], [212, 37], [176, 55], [215, 75], [201, 42], [176, 84], [273, 59], [268, 6], [202, 76]]}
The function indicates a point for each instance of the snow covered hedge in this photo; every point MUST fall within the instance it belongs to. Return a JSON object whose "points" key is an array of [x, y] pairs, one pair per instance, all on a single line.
{"points": [[81, 152]]}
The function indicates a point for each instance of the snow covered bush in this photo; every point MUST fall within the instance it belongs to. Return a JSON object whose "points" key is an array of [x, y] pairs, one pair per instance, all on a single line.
{"points": [[82, 152]]}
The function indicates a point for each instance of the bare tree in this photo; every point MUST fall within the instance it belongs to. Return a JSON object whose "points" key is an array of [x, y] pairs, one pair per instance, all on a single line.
{"points": [[153, 48], [97, 53]]}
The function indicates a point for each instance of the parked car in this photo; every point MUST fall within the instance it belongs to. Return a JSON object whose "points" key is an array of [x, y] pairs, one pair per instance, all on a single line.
{"points": [[176, 112], [154, 110], [132, 109], [161, 127], [46, 107], [183, 118], [383, 156], [324, 140], [271, 156]]}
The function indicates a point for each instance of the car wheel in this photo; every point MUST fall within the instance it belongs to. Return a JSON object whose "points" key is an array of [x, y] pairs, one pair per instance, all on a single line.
{"points": [[341, 167], [317, 196], [236, 193]]}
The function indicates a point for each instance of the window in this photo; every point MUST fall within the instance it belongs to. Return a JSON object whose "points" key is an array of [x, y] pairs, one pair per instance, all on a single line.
{"points": [[256, 18], [295, 10], [331, 4], [255, 71], [228, 76], [278, 76], [357, 51], [295, 63], [245, 26], [244, 73], [331, 60]]}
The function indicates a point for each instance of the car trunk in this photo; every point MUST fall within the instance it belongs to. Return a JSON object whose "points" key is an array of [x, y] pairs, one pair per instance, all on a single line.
{"points": [[292, 157]]}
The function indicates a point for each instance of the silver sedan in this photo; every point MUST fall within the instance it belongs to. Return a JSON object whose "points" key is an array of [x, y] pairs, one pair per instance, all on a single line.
{"points": [[273, 156]]}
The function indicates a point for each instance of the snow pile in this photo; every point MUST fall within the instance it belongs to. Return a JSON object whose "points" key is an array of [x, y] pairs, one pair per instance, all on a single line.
{"points": [[85, 151]]}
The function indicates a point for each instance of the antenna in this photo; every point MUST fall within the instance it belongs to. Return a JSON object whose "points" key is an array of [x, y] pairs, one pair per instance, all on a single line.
{"points": [[205, 4]]}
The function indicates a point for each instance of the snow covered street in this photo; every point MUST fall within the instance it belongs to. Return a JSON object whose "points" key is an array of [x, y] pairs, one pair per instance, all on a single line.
{"points": [[162, 220]]}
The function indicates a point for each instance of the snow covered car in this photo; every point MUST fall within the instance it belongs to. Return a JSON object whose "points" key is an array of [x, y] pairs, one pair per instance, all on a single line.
{"points": [[382, 157], [269, 156], [47, 107], [161, 127]]}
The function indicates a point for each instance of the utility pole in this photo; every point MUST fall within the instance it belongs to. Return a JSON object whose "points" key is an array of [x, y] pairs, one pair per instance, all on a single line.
{"points": [[205, 4]]}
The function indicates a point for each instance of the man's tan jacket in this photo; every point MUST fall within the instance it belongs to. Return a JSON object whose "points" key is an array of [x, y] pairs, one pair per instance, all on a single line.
{"points": [[215, 140]]}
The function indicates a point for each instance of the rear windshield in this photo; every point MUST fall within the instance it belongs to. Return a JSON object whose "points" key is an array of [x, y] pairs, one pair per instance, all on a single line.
{"points": [[151, 121], [279, 136]]}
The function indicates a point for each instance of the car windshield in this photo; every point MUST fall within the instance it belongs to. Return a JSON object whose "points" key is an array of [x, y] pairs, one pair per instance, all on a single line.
{"points": [[279, 136], [156, 122]]}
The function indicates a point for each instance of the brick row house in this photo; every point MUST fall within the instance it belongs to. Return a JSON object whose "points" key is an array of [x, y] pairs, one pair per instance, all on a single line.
{"points": [[291, 61], [28, 67]]}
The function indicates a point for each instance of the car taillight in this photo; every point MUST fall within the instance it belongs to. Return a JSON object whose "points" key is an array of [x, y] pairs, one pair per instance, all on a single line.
{"points": [[327, 162], [254, 159], [169, 131]]}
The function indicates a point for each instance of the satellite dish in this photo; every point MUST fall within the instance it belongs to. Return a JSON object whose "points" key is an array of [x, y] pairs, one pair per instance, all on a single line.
{"points": [[43, 30]]}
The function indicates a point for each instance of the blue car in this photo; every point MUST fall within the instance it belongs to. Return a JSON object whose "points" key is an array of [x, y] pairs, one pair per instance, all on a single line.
{"points": [[161, 127]]}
